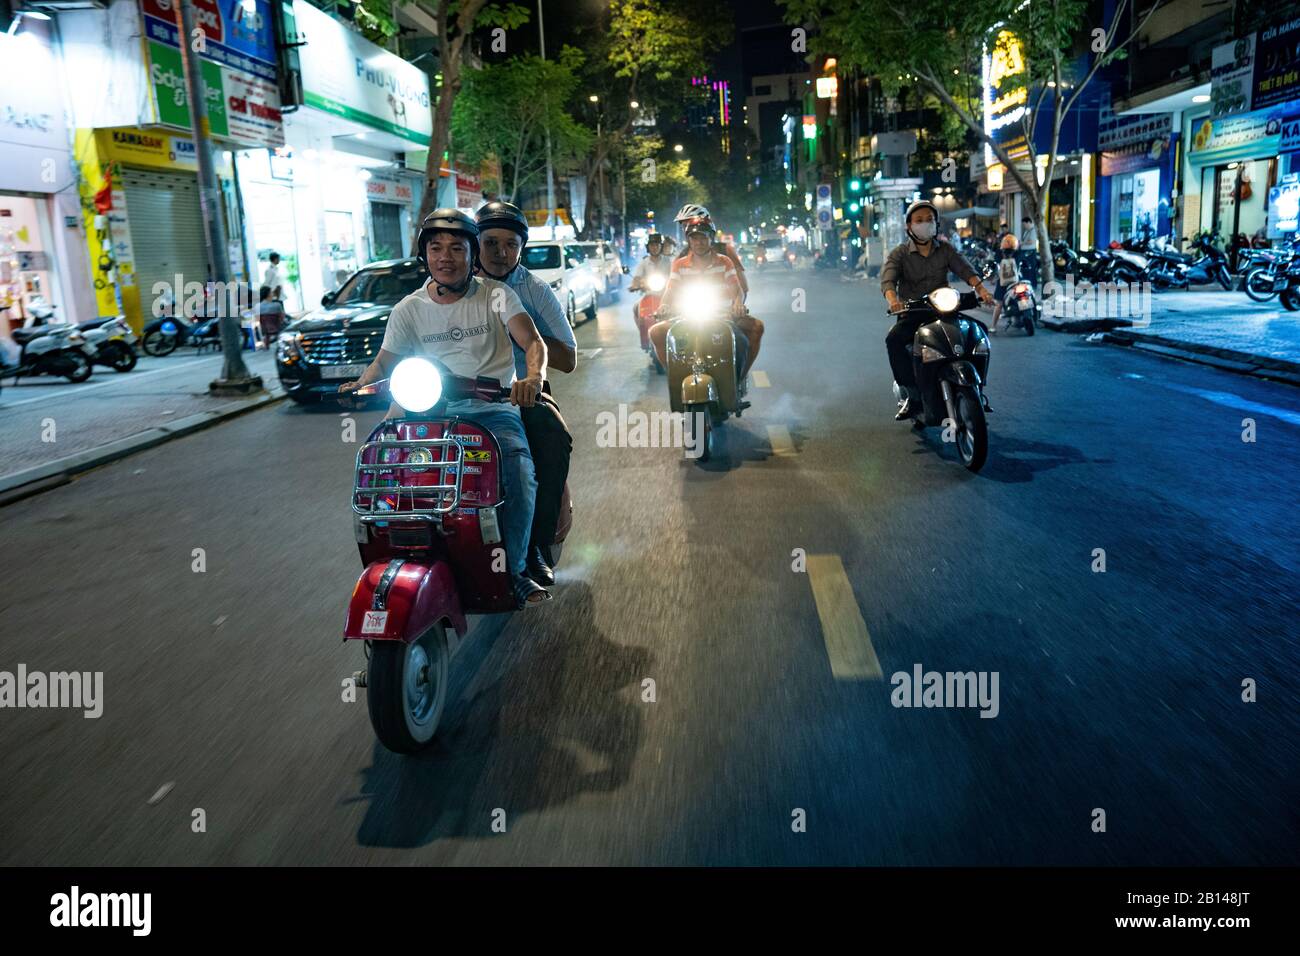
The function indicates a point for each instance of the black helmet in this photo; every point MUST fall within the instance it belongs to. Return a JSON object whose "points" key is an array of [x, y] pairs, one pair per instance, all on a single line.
{"points": [[502, 215], [454, 221]]}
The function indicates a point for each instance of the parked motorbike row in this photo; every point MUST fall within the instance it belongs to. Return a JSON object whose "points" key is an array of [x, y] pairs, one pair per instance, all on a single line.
{"points": [[1137, 261], [1269, 273], [64, 350]]}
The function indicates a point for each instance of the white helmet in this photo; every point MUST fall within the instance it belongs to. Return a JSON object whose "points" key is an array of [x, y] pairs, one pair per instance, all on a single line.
{"points": [[692, 211]]}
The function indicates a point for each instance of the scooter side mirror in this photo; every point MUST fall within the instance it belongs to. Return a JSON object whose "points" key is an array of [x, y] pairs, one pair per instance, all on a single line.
{"points": [[328, 299]]}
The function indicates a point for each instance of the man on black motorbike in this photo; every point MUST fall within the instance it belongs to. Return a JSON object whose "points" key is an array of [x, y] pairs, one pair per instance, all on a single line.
{"points": [[912, 270], [503, 232], [467, 323]]}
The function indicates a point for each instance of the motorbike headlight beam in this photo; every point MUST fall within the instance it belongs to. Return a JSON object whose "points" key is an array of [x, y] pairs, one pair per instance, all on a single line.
{"points": [[945, 300]]}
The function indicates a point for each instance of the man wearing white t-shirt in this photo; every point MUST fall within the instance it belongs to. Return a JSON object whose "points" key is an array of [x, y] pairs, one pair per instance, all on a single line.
{"points": [[467, 324]]}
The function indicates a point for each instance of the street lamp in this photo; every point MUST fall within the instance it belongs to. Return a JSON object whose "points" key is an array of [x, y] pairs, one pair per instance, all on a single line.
{"points": [[677, 147], [594, 98], [18, 18]]}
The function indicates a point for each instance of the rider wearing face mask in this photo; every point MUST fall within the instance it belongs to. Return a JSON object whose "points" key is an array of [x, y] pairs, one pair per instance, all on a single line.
{"points": [[912, 270]]}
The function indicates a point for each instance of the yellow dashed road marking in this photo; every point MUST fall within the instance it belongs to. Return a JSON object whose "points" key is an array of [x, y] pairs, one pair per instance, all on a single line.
{"points": [[848, 644], [782, 445]]}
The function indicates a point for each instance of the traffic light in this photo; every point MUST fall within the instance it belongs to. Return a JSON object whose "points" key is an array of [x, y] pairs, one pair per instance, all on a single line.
{"points": [[855, 185], [854, 207]]}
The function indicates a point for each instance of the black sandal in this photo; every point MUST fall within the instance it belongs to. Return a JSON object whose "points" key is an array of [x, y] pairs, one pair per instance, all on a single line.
{"points": [[525, 588]]}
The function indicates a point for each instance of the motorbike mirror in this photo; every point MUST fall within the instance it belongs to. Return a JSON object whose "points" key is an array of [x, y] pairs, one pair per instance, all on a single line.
{"points": [[328, 299]]}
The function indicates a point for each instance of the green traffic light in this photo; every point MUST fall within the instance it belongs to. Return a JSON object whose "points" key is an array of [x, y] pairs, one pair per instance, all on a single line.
{"points": [[855, 185], [854, 207]]}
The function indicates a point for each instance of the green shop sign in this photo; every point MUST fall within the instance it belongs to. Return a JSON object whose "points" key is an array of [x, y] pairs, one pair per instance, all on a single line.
{"points": [[167, 77]]}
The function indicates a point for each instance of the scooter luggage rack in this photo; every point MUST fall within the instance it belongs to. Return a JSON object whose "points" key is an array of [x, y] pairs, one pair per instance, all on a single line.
{"points": [[446, 494]]}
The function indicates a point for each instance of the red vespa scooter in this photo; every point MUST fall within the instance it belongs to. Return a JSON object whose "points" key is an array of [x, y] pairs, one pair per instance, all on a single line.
{"points": [[646, 308], [426, 502]]}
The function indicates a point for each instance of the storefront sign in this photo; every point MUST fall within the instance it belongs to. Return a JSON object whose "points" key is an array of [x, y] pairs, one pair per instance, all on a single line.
{"points": [[150, 148], [389, 190], [345, 74], [1006, 98], [1236, 137], [1135, 156], [1277, 65], [1232, 74], [238, 64], [34, 155], [1283, 208], [1115, 131], [469, 190]]}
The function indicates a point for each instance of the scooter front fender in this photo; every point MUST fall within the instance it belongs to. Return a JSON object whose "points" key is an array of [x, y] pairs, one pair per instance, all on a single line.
{"points": [[961, 373], [699, 389], [398, 600]]}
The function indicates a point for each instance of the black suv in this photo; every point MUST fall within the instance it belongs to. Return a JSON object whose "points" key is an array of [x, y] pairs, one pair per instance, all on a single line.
{"points": [[334, 344]]}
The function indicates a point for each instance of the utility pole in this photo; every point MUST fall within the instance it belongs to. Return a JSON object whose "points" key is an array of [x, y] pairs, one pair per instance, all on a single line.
{"points": [[550, 173], [234, 373]]}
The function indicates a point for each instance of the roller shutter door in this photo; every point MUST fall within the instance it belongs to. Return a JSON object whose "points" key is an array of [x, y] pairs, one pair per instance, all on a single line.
{"points": [[166, 229]]}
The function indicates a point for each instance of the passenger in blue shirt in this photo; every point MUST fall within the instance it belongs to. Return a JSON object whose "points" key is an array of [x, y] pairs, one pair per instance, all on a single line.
{"points": [[503, 231]]}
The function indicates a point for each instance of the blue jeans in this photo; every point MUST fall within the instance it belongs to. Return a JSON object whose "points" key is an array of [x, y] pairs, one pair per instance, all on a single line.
{"points": [[503, 421]]}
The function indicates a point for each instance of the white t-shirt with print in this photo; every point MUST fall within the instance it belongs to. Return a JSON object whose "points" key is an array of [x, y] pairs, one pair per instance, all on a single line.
{"points": [[469, 335]]}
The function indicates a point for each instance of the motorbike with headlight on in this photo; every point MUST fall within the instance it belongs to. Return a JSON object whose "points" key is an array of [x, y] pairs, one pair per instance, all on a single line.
{"points": [[426, 503], [705, 354], [950, 356], [646, 308]]}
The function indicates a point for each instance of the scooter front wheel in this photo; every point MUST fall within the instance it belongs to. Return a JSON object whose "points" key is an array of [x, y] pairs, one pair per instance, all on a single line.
{"points": [[159, 343], [407, 690], [972, 430], [1258, 284], [699, 431]]}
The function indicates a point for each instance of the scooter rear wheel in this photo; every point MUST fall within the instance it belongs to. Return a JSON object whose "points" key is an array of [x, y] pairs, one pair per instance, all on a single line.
{"points": [[407, 690], [122, 358], [81, 368], [1258, 284]]}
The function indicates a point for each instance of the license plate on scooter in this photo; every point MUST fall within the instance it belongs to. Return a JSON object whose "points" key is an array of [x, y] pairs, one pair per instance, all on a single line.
{"points": [[342, 371]]}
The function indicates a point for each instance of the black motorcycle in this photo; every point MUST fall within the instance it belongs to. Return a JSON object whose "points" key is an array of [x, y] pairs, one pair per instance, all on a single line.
{"points": [[1264, 270], [950, 357], [1176, 270]]}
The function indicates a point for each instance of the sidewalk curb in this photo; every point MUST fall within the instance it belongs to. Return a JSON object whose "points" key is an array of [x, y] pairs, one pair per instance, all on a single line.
{"points": [[1229, 360], [33, 481]]}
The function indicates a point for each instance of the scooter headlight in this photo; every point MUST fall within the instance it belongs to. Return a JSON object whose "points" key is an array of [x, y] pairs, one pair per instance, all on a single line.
{"points": [[703, 301], [657, 283], [415, 385], [945, 300]]}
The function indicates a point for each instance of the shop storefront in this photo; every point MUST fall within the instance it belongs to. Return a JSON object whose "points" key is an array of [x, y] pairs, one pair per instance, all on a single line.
{"points": [[1233, 164], [40, 258], [338, 196], [1137, 167], [146, 236]]}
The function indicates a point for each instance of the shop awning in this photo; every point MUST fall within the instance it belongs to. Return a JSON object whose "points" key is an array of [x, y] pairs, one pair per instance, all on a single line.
{"points": [[969, 211]]}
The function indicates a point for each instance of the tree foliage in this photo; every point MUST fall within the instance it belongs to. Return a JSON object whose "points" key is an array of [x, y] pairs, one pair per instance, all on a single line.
{"points": [[1048, 51], [500, 115]]}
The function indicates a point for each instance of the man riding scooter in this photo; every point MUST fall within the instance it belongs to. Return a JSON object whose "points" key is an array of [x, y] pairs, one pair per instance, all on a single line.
{"points": [[651, 271], [703, 262], [692, 212], [912, 270], [467, 324], [503, 232]]}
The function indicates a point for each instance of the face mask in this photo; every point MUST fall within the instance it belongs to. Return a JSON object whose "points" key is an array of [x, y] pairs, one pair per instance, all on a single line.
{"points": [[924, 231], [1008, 253]]}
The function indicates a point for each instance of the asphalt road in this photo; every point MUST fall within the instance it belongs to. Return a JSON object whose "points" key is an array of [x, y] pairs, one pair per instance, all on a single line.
{"points": [[1119, 691]]}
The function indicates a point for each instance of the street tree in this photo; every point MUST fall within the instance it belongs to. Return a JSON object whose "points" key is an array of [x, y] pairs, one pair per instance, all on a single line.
{"points": [[498, 114], [644, 52], [1043, 53], [657, 181], [457, 20]]}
